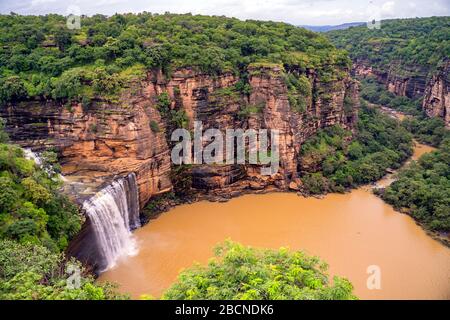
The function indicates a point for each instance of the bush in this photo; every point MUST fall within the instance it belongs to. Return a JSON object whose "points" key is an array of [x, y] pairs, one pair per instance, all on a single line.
{"points": [[32, 272], [244, 273], [154, 126]]}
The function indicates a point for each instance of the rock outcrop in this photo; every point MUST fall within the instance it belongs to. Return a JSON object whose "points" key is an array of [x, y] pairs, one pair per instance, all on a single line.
{"points": [[97, 142], [414, 84], [105, 139], [436, 102]]}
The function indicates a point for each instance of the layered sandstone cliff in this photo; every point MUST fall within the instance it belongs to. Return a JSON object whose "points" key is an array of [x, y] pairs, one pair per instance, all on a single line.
{"points": [[99, 142], [104, 139], [436, 102], [414, 84]]}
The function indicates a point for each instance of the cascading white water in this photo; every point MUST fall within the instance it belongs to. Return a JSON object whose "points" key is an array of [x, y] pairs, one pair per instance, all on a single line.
{"points": [[31, 155], [114, 211]]}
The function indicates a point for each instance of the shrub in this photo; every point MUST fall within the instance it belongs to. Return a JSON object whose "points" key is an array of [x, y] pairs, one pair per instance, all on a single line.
{"points": [[245, 273]]}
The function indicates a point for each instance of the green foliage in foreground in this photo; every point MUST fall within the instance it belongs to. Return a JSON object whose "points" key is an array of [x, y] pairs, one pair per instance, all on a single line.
{"points": [[423, 188], [239, 272], [331, 162], [32, 272]]}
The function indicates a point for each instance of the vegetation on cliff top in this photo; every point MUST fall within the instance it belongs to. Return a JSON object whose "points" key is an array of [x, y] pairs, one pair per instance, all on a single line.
{"points": [[41, 58], [245, 273], [410, 45]]}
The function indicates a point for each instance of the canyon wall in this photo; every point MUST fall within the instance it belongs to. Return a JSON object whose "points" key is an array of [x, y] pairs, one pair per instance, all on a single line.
{"points": [[104, 139], [436, 102], [415, 84]]}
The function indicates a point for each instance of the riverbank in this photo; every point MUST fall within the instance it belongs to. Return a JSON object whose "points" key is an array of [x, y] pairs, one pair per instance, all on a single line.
{"points": [[419, 150]]}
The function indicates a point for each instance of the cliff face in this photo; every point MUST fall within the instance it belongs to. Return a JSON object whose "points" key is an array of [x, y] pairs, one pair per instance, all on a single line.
{"points": [[410, 83], [97, 142], [104, 140], [202, 99], [434, 91], [436, 102]]}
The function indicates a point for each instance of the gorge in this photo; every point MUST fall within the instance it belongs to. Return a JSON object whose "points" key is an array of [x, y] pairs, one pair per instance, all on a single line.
{"points": [[102, 102]]}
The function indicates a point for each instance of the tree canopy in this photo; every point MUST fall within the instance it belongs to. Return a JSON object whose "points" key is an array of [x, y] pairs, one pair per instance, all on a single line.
{"points": [[412, 46], [41, 58], [245, 273]]}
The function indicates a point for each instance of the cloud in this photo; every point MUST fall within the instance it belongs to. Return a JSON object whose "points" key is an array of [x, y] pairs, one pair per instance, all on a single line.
{"points": [[314, 12], [388, 8], [41, 2]]}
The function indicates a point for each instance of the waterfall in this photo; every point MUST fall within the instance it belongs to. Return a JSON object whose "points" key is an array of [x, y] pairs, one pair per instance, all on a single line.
{"points": [[31, 155], [114, 212]]}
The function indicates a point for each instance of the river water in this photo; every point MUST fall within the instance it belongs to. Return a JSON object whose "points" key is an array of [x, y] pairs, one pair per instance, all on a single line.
{"points": [[350, 231]]}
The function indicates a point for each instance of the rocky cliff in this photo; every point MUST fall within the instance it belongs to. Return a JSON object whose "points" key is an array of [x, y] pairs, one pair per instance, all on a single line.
{"points": [[436, 102], [414, 84], [106, 139]]}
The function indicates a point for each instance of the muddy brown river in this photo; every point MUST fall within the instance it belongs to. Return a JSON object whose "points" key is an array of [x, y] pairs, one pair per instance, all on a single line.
{"points": [[350, 231]]}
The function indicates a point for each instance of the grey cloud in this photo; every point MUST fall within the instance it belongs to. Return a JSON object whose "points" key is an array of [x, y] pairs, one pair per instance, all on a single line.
{"points": [[293, 11]]}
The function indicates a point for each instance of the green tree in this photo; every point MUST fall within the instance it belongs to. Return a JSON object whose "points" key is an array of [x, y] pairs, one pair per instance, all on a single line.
{"points": [[12, 88], [237, 272]]}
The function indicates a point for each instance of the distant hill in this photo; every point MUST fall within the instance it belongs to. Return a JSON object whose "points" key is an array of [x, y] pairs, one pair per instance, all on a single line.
{"points": [[331, 28]]}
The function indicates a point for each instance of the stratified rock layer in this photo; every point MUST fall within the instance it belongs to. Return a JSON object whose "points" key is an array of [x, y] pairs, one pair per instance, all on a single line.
{"points": [[436, 102], [414, 85], [104, 139]]}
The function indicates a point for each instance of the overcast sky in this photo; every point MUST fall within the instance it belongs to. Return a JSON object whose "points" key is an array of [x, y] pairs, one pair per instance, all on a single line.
{"points": [[298, 12]]}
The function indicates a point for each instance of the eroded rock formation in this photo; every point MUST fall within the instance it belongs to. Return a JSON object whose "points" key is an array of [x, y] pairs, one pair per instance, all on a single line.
{"points": [[414, 84], [106, 139], [99, 142], [436, 102]]}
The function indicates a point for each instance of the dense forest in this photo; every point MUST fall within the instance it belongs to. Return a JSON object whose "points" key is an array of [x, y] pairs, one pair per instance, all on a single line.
{"points": [[409, 45], [423, 189], [40, 58], [334, 161]]}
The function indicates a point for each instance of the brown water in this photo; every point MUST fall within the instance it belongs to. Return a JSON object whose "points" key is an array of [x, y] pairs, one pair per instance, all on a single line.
{"points": [[350, 231]]}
